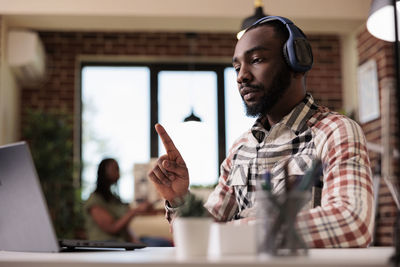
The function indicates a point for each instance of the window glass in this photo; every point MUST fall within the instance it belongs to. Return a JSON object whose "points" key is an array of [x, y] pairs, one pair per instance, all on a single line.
{"points": [[115, 123], [180, 93], [236, 122]]}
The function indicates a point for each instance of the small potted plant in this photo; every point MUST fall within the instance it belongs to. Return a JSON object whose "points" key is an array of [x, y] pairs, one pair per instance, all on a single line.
{"points": [[191, 228]]}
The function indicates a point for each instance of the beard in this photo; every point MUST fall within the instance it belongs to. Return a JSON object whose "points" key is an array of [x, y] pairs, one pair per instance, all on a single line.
{"points": [[272, 94]]}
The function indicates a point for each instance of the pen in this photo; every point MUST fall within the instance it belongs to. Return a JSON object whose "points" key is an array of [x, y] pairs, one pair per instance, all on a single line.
{"points": [[311, 174], [267, 181]]}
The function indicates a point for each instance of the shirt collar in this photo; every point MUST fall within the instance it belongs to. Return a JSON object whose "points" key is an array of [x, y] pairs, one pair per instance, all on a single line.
{"points": [[296, 120]]}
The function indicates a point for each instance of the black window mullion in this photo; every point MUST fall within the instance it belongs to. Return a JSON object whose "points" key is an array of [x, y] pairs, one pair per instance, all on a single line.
{"points": [[153, 111], [221, 114]]}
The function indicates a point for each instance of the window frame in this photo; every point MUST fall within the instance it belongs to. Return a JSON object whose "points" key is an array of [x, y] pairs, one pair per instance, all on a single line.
{"points": [[155, 68]]}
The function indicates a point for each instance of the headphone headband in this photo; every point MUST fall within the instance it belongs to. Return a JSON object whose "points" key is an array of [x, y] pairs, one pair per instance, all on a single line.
{"points": [[271, 18]]}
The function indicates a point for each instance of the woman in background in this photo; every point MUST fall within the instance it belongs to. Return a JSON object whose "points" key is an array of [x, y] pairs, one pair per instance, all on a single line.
{"points": [[107, 218]]}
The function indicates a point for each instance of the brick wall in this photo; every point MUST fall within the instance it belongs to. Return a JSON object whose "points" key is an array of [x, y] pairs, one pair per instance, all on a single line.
{"points": [[62, 49], [382, 52], [324, 80]]}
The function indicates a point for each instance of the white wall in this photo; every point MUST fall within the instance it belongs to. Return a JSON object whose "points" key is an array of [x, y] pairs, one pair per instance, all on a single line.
{"points": [[349, 57], [320, 16]]}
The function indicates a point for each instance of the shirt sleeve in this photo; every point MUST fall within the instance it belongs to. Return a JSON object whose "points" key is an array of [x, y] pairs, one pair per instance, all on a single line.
{"points": [[222, 202], [346, 215], [171, 212]]}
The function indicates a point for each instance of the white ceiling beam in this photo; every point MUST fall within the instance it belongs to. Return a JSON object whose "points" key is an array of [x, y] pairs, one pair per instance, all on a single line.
{"points": [[180, 15]]}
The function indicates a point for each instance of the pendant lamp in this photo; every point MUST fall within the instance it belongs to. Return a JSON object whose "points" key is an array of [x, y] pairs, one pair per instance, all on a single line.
{"points": [[247, 22], [192, 38], [380, 21]]}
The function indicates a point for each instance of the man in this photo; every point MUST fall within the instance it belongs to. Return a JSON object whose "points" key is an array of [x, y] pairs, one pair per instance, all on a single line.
{"points": [[291, 129]]}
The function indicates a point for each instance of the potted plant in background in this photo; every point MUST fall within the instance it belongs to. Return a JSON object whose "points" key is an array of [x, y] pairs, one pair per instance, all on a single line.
{"points": [[49, 135], [191, 228]]}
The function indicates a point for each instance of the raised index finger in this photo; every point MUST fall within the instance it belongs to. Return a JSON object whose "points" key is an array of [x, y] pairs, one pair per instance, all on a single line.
{"points": [[169, 145]]}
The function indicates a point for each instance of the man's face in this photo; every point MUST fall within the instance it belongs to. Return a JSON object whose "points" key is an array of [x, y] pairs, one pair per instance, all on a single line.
{"points": [[262, 75]]}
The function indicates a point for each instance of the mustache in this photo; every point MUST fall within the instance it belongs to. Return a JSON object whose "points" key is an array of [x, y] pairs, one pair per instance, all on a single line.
{"points": [[251, 86]]}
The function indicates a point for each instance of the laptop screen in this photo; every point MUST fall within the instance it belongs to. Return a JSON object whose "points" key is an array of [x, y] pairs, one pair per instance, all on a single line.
{"points": [[25, 224]]}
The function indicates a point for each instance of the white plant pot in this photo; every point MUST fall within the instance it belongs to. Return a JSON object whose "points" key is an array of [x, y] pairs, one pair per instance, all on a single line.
{"points": [[191, 236], [227, 239]]}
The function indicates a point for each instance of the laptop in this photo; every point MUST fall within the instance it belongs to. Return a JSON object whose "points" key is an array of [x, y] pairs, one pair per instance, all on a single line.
{"points": [[25, 223]]}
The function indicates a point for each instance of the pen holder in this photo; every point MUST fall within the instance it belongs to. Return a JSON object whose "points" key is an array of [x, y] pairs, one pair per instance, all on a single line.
{"points": [[276, 219]]}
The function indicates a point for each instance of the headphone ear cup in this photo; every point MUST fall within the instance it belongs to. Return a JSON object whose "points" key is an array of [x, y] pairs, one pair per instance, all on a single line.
{"points": [[286, 55], [298, 50], [303, 52]]}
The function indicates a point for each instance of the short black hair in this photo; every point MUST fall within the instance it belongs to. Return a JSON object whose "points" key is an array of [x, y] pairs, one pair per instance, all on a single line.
{"points": [[279, 28]]}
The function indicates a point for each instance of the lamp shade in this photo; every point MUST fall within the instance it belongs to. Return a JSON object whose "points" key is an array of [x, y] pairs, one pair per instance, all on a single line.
{"points": [[192, 117], [258, 14], [380, 21], [247, 22]]}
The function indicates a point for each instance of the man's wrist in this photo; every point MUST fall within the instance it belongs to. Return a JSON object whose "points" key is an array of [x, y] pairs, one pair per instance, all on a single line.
{"points": [[176, 202]]}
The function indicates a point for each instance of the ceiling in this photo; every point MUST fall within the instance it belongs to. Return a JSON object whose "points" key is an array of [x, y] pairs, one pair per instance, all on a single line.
{"points": [[317, 16]]}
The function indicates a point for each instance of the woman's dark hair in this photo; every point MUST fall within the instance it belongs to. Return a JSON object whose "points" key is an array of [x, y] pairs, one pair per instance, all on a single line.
{"points": [[104, 184]]}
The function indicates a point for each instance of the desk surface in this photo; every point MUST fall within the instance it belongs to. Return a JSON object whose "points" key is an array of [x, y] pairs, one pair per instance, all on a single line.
{"points": [[377, 256]]}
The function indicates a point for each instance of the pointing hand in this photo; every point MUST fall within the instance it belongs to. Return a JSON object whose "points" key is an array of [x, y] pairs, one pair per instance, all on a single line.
{"points": [[170, 175]]}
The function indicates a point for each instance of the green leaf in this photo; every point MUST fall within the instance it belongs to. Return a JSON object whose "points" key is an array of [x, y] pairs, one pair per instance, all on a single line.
{"points": [[193, 207]]}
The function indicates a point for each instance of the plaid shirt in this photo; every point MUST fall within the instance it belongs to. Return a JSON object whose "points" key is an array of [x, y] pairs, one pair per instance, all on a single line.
{"points": [[345, 216]]}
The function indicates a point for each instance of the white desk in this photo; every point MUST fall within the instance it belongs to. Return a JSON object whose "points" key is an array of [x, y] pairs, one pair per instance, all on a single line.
{"points": [[165, 257]]}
